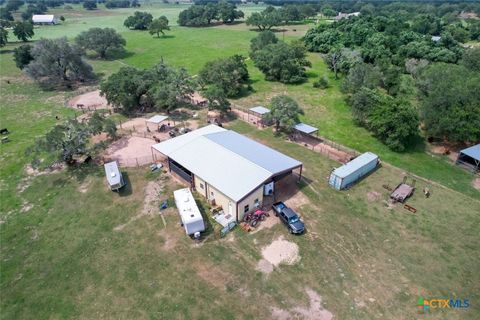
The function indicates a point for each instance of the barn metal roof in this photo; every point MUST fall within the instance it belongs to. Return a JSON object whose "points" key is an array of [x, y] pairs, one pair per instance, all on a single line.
{"points": [[43, 18], [305, 128], [263, 156], [167, 147], [260, 110], [472, 152], [157, 119], [354, 165], [231, 163]]}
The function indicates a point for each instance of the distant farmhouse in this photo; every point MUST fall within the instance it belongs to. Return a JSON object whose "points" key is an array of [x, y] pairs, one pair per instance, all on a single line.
{"points": [[341, 16], [229, 169], [44, 19]]}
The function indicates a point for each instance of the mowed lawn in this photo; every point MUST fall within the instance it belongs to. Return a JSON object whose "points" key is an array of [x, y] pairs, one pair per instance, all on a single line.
{"points": [[62, 258]]}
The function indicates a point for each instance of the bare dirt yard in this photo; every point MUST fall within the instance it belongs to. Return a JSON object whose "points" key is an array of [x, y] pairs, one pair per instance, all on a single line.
{"points": [[89, 100], [278, 252], [314, 311], [130, 151]]}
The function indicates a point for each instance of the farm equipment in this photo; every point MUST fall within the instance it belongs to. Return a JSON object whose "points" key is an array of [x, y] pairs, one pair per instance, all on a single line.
{"points": [[403, 191], [254, 217]]}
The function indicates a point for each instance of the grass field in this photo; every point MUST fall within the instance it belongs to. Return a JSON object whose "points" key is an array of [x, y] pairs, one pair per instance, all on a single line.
{"points": [[62, 258]]}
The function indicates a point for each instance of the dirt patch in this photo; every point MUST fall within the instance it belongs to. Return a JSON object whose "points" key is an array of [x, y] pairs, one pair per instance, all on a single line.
{"points": [[264, 266], [150, 204], [83, 188], [26, 207], [89, 100], [476, 183], [130, 151], [315, 311], [99, 138], [31, 171], [373, 196], [268, 223], [136, 124], [170, 241], [279, 251], [213, 275]]}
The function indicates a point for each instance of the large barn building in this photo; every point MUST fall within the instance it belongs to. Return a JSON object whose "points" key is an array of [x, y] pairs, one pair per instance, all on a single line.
{"points": [[229, 169]]}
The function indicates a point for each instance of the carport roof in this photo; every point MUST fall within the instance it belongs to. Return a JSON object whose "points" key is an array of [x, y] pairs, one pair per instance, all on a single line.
{"points": [[157, 119], [305, 128], [472, 152], [231, 163], [260, 110]]}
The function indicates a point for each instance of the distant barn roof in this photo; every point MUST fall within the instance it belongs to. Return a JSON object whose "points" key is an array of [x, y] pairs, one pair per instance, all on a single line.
{"points": [[43, 18]]}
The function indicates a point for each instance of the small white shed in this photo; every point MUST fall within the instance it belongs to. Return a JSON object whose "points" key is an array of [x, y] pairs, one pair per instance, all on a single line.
{"points": [[192, 219], [44, 19]]}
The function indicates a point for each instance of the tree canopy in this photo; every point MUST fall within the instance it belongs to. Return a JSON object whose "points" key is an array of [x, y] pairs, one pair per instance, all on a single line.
{"points": [[266, 19], [158, 26], [282, 62], [22, 55], [139, 21], [263, 39], [450, 102], [3, 37], [228, 74], [57, 63], [203, 15], [159, 88], [90, 4], [284, 112], [23, 30], [104, 41]]}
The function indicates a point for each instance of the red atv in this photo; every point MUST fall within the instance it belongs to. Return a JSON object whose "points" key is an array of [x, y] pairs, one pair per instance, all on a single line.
{"points": [[253, 217]]}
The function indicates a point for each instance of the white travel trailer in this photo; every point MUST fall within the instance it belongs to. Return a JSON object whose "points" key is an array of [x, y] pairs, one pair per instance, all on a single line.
{"points": [[114, 176], [192, 219]]}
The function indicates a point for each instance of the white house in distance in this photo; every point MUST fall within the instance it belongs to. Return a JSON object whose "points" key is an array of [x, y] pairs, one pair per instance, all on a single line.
{"points": [[44, 19], [227, 168]]}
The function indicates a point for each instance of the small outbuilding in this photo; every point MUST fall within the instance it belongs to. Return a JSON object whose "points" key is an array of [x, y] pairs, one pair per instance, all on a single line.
{"points": [[190, 215], [349, 173], [114, 176], [470, 158], [44, 19]]}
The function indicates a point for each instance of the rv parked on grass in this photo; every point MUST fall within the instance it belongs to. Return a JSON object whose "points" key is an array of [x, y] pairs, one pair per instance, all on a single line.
{"points": [[114, 176], [190, 215]]}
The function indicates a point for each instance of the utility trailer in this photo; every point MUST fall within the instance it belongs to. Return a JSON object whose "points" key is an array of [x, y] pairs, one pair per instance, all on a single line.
{"points": [[403, 191]]}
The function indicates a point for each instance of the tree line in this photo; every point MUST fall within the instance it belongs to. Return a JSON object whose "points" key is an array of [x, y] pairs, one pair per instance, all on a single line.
{"points": [[403, 69], [204, 15]]}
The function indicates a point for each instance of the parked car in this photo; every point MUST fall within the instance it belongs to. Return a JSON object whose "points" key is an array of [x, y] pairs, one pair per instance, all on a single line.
{"points": [[289, 217]]}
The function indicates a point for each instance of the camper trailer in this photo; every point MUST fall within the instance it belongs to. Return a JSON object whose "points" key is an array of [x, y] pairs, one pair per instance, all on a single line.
{"points": [[345, 176], [114, 176], [191, 217]]}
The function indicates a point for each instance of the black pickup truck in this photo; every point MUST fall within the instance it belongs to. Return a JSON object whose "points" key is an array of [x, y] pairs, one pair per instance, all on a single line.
{"points": [[289, 217]]}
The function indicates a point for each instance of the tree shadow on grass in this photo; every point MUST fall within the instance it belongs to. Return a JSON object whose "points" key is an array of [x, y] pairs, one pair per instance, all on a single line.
{"points": [[166, 36]]}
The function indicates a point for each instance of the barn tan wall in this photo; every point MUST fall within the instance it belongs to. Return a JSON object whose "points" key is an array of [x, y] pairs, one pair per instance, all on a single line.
{"points": [[220, 199], [250, 201]]}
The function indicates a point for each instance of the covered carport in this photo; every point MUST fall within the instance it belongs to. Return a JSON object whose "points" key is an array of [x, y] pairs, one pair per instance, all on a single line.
{"points": [[469, 158], [256, 114], [156, 120]]}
